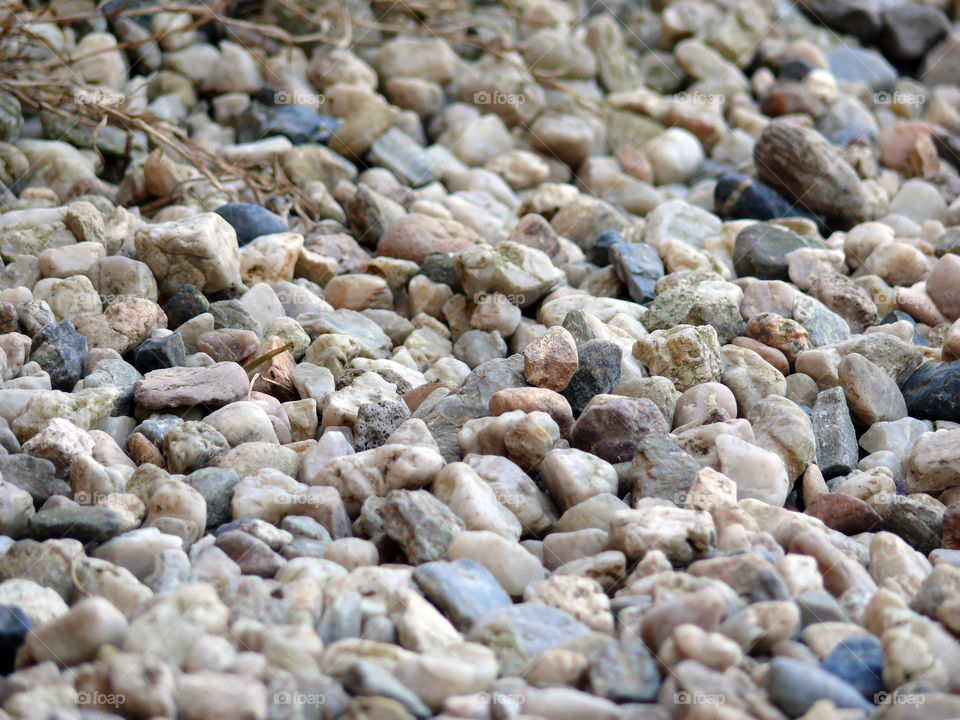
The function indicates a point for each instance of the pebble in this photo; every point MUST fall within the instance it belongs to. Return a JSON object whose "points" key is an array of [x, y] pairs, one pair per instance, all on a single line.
{"points": [[563, 409], [834, 431]]}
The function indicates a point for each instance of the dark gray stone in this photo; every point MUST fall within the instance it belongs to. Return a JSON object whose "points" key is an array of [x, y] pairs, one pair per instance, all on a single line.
{"points": [[576, 324], [233, 314], [599, 372], [859, 18], [85, 523], [933, 392], [216, 485], [14, 626], [62, 352], [760, 251], [835, 434], [35, 475], [858, 660], [158, 353], [519, 632], [341, 618], [471, 400], [911, 30], [420, 524], [184, 304], [662, 469], [375, 422]]}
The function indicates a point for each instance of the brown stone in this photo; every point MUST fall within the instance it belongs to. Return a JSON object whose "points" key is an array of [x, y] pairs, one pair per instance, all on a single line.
{"points": [[531, 399], [416, 396], [144, 452], [840, 571], [551, 360], [845, 513], [943, 285], [771, 355], [228, 344], [415, 236], [702, 608], [610, 426], [951, 527], [784, 334]]}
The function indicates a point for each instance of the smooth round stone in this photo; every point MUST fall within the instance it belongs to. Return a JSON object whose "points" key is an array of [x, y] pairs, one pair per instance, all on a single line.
{"points": [[674, 156], [795, 686], [761, 251], [844, 513], [855, 64], [251, 221]]}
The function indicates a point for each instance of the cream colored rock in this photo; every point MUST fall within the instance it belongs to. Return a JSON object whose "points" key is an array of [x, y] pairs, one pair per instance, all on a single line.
{"points": [[78, 635], [376, 472], [512, 566], [200, 250], [474, 501]]}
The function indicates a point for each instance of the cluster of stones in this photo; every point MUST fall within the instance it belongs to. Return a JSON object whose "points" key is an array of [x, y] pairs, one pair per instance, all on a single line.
{"points": [[605, 381]]}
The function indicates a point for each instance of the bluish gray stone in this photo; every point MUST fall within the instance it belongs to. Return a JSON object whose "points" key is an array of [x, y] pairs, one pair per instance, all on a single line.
{"points": [[638, 266], [858, 660], [251, 221], [463, 590], [794, 687]]}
